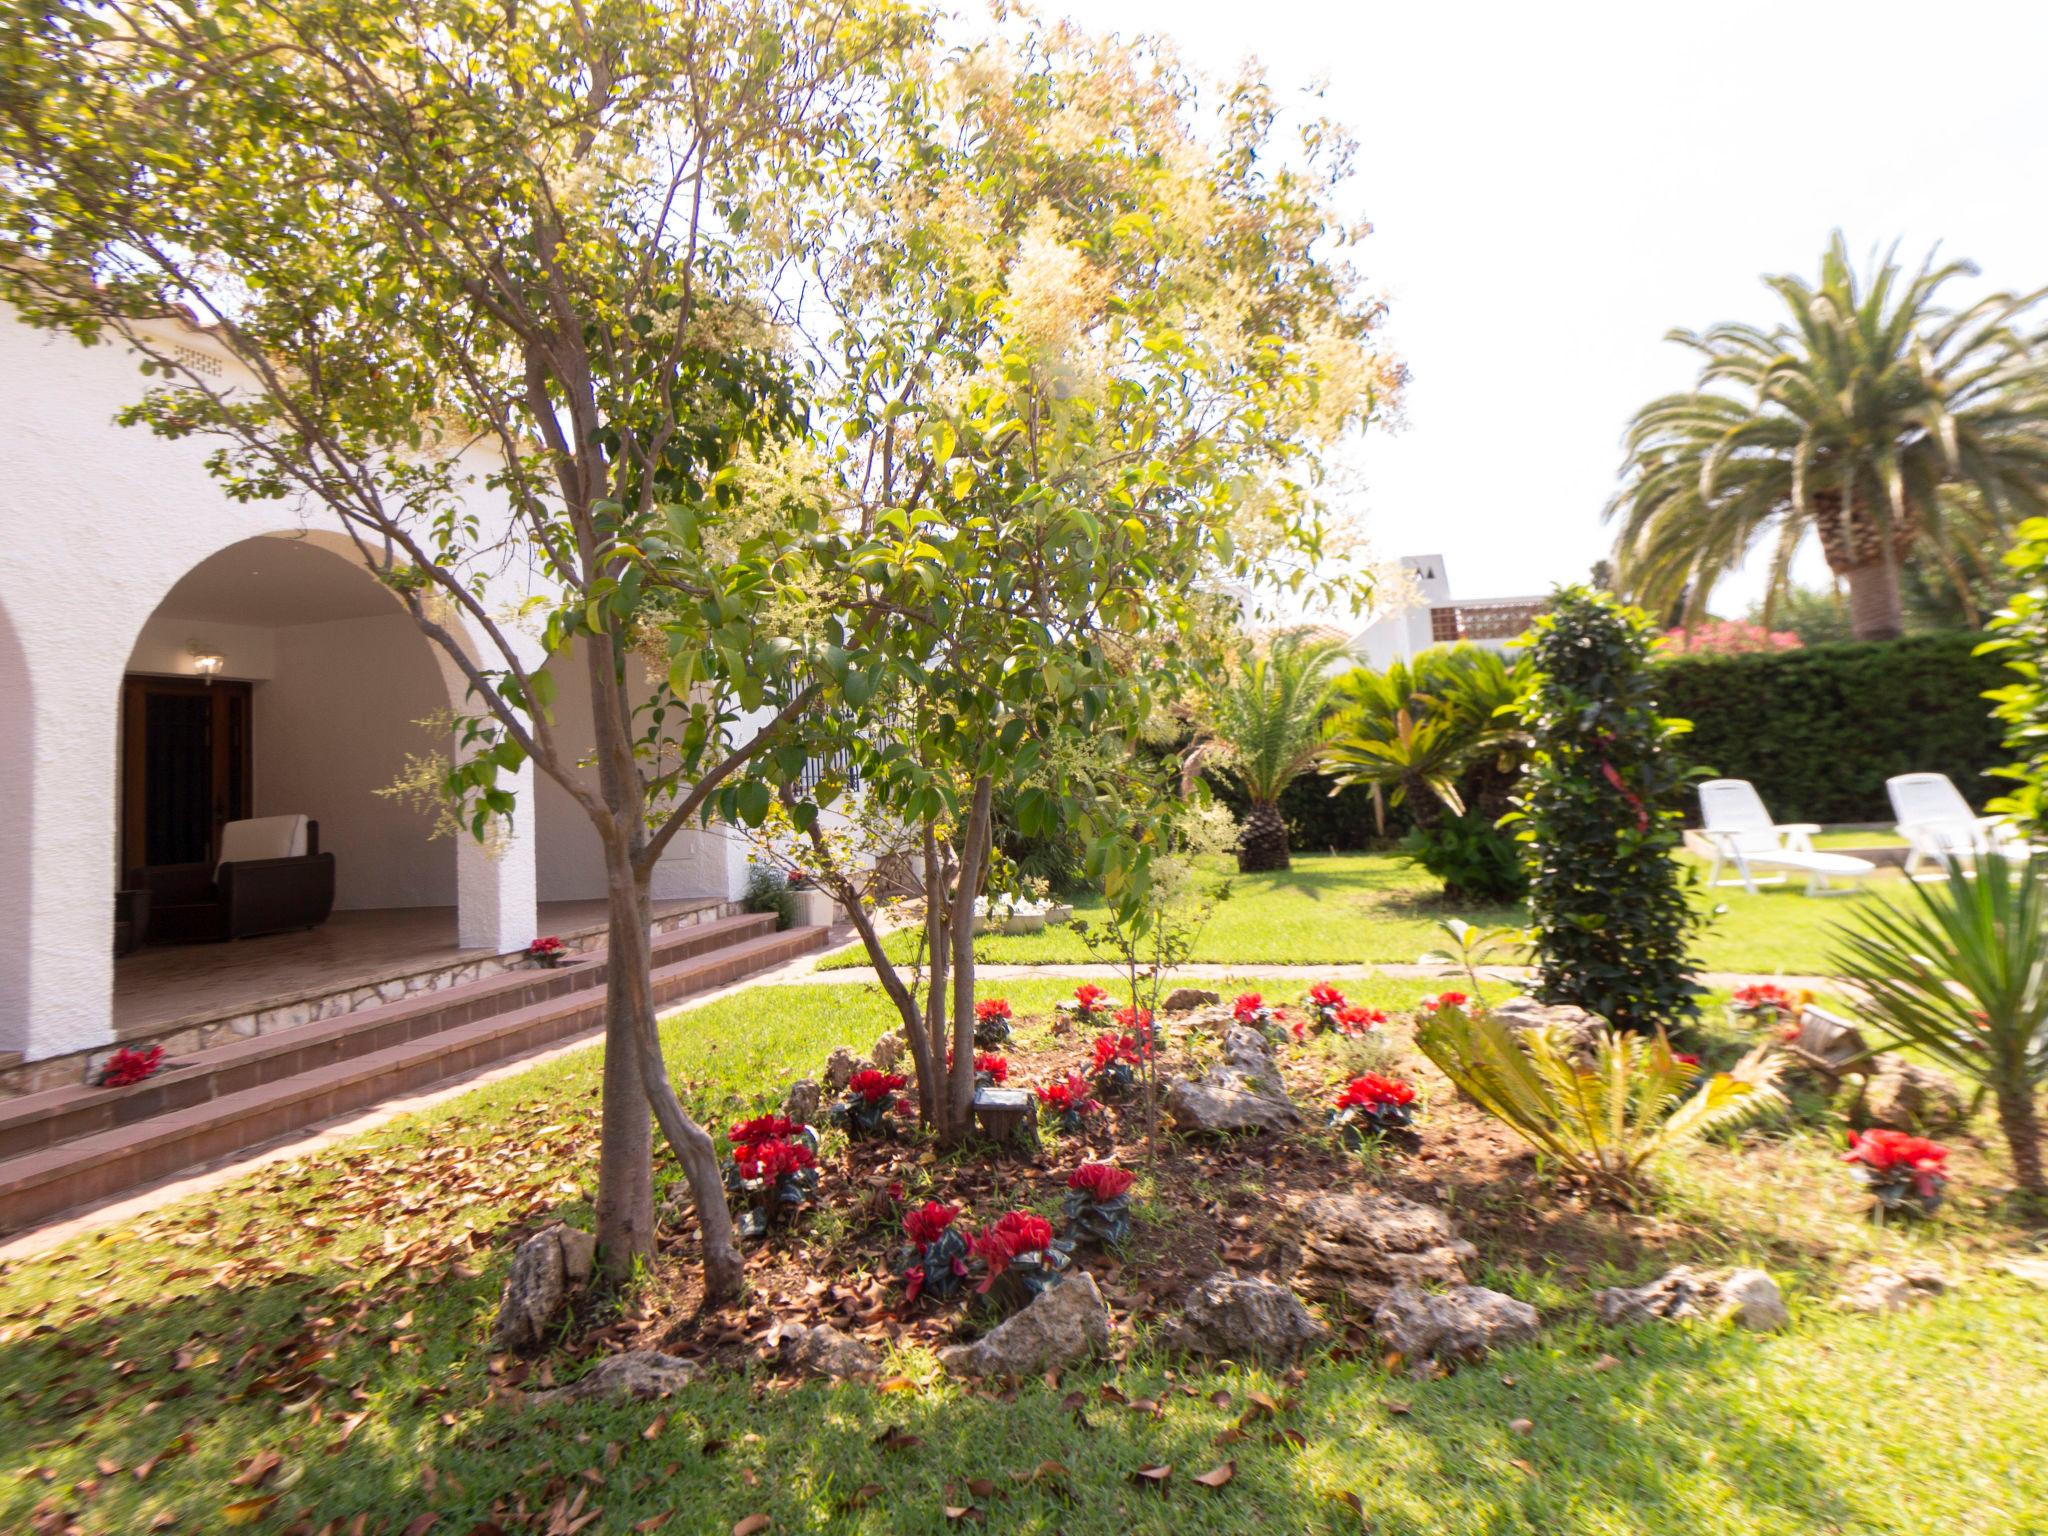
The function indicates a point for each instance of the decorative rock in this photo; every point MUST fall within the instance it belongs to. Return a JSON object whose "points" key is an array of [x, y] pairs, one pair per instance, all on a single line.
{"points": [[1886, 1290], [1748, 1297], [1240, 1317], [888, 1051], [640, 1374], [1905, 1096], [2033, 1271], [839, 1069], [804, 1101], [1186, 999], [1362, 1246], [1245, 1093], [1461, 1323], [1580, 1030], [1751, 1298], [1064, 1323], [822, 1351], [544, 1270]]}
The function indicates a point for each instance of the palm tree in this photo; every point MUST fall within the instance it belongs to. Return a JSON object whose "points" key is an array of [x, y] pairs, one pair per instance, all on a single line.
{"points": [[1262, 725], [1845, 422], [1424, 731]]}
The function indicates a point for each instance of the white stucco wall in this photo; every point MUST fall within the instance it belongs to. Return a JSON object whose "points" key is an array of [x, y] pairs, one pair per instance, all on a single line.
{"points": [[97, 523], [166, 646]]}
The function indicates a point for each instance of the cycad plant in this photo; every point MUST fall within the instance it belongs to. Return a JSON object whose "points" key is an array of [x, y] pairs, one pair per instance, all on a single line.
{"points": [[1426, 731], [1962, 976], [1609, 1119], [1844, 421], [1262, 725]]}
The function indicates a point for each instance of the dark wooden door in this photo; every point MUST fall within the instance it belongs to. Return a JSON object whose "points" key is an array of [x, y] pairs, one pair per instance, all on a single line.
{"points": [[185, 755]]}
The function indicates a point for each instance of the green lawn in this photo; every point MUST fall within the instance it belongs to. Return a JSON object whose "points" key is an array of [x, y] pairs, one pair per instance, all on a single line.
{"points": [[333, 1314], [1343, 909]]}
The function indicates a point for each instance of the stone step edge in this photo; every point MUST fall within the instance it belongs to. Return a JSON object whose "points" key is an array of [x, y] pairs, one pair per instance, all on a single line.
{"points": [[82, 1100], [33, 1186]]}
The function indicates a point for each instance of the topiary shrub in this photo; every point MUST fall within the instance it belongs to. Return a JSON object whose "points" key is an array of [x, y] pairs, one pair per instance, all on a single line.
{"points": [[2022, 644], [1598, 814]]}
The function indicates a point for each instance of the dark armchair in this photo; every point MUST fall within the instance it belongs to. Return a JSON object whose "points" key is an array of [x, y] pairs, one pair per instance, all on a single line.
{"points": [[272, 878]]}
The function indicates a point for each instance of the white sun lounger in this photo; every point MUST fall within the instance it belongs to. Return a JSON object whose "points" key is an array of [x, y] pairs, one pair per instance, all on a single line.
{"points": [[1939, 824], [1744, 835]]}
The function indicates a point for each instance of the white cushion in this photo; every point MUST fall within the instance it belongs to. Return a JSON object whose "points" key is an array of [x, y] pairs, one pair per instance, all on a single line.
{"points": [[262, 837]]}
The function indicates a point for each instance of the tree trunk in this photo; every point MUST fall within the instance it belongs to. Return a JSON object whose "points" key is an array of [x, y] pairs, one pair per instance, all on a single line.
{"points": [[1263, 843], [625, 1155], [2020, 1121], [1874, 604], [974, 851]]}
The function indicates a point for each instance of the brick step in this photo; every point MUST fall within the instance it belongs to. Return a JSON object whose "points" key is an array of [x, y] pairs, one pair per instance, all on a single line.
{"points": [[89, 1169], [34, 1121]]}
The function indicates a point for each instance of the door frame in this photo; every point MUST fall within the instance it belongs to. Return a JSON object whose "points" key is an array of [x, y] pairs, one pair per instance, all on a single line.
{"points": [[233, 757]]}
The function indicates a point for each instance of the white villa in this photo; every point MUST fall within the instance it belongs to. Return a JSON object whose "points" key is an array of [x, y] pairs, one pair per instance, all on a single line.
{"points": [[173, 662], [1441, 619]]}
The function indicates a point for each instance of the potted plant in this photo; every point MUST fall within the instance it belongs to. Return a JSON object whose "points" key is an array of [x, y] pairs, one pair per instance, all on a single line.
{"points": [[127, 1066], [1098, 1204], [1069, 1102], [1019, 1254], [1904, 1174], [935, 1263], [870, 1100], [1370, 1107], [991, 1023], [548, 953], [1116, 1057]]}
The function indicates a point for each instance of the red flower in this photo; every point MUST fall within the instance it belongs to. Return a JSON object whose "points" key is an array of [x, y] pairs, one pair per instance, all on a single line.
{"points": [[1895, 1152], [1134, 1018], [1101, 1182], [1110, 1049], [1248, 1007], [925, 1225], [1444, 1000], [1300, 1027], [1687, 1057], [1371, 1091], [547, 946], [1088, 996], [1017, 1233], [1324, 995], [1762, 994], [764, 1128], [992, 1008], [1069, 1094], [126, 1066], [997, 1067], [1356, 1020], [772, 1160], [874, 1086]]}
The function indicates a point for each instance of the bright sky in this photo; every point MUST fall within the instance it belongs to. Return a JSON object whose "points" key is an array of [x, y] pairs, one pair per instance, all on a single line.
{"points": [[1554, 187]]}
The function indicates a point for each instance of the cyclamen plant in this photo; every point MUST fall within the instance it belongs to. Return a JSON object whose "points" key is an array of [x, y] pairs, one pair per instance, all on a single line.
{"points": [[1325, 1005], [1138, 1021], [1763, 1002], [1098, 1204], [1905, 1174], [1090, 1004], [935, 1264], [1370, 1107], [774, 1178], [548, 952], [127, 1066], [990, 1070], [1116, 1058], [870, 1100], [1069, 1102], [991, 1023], [1018, 1252]]}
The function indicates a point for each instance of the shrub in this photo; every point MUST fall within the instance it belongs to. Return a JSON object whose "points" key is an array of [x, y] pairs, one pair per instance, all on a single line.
{"points": [[1476, 862], [1818, 731], [2022, 645], [768, 890], [1962, 975], [1598, 811], [1608, 1119]]}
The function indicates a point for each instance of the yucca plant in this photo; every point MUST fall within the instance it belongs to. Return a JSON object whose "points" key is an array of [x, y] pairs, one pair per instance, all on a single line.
{"points": [[1608, 1122], [1262, 725], [1962, 976]]}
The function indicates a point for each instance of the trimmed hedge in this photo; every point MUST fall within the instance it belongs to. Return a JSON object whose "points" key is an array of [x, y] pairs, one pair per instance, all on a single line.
{"points": [[1818, 731]]}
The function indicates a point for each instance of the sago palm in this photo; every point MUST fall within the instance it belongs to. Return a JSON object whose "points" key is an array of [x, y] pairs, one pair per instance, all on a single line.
{"points": [[1845, 421], [1962, 975], [1418, 731], [1262, 725]]}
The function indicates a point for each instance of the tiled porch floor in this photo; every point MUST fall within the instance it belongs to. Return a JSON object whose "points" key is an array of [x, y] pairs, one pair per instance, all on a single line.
{"points": [[169, 983]]}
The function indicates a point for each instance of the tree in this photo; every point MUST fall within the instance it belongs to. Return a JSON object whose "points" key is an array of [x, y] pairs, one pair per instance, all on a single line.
{"points": [[1261, 723], [2020, 635], [1084, 361], [1845, 422], [1962, 976], [441, 229], [1598, 814]]}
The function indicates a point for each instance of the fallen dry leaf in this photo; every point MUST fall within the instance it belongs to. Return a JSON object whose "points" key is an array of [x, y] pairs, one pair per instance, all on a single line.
{"points": [[260, 1466], [1522, 1426], [1216, 1477], [751, 1525], [248, 1511], [1154, 1478]]}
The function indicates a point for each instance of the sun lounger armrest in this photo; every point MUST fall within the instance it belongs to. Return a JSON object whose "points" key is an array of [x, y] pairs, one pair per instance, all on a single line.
{"points": [[1807, 827]]}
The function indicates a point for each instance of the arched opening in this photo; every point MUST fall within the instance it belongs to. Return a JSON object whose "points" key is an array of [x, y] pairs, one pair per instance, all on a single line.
{"points": [[276, 679]]}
